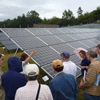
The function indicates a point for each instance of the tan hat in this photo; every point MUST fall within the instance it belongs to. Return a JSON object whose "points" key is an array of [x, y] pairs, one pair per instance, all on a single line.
{"points": [[57, 63], [31, 70]]}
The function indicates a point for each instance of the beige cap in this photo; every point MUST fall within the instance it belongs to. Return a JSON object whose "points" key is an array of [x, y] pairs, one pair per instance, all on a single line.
{"points": [[57, 63], [31, 70]]}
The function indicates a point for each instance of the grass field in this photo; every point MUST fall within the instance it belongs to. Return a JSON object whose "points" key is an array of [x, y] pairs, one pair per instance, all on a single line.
{"points": [[42, 73]]}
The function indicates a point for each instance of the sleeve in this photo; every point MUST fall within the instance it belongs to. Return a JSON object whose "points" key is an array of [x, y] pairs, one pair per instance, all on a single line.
{"points": [[53, 90], [17, 96], [49, 94], [76, 88], [23, 63], [91, 76]]}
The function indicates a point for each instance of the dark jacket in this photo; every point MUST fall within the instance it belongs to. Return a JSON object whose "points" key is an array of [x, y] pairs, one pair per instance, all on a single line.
{"points": [[13, 79], [85, 62], [64, 87]]}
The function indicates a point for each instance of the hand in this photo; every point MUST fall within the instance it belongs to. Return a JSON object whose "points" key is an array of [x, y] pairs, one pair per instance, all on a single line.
{"points": [[82, 67], [81, 85], [32, 53], [87, 67]]}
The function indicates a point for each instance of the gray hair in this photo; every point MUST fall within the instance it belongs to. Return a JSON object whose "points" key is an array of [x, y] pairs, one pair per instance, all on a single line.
{"points": [[93, 53]]}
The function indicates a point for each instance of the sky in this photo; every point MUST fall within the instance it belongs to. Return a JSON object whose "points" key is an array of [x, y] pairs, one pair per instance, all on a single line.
{"points": [[10, 9]]}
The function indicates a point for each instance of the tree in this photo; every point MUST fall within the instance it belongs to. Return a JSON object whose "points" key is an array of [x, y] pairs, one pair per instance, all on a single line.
{"points": [[67, 15], [33, 18], [67, 18], [80, 11]]}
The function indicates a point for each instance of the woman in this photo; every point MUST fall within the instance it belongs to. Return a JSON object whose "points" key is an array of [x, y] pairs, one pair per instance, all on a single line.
{"points": [[84, 63], [25, 59]]}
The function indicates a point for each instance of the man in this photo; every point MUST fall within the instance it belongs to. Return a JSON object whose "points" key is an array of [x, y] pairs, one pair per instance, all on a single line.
{"points": [[69, 66], [2, 94], [31, 90], [98, 48], [13, 79], [92, 92], [63, 86]]}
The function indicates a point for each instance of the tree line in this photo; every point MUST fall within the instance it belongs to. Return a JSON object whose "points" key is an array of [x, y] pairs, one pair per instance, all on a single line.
{"points": [[67, 19]]}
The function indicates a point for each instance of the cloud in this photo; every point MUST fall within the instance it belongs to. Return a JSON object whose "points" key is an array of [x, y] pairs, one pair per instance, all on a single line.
{"points": [[10, 9]]}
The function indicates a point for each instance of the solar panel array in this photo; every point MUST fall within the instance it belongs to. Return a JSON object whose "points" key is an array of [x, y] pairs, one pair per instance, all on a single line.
{"points": [[50, 42], [7, 42]]}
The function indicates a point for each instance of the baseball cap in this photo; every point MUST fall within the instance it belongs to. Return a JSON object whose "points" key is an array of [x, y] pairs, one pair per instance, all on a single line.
{"points": [[65, 54], [57, 63], [31, 70]]}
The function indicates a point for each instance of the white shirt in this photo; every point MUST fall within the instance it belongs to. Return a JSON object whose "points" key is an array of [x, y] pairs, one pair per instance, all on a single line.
{"points": [[29, 92], [24, 64], [70, 67]]}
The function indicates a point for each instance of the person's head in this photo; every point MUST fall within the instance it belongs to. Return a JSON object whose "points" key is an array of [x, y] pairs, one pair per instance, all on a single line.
{"points": [[24, 56], [32, 72], [1, 60], [98, 48], [65, 55], [57, 66], [82, 53], [15, 64], [91, 54]]}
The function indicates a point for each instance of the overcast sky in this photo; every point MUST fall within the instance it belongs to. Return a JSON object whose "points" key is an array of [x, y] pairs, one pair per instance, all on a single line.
{"points": [[10, 9]]}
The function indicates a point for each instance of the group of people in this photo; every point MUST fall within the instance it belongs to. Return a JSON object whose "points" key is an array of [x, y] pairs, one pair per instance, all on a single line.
{"points": [[20, 81]]}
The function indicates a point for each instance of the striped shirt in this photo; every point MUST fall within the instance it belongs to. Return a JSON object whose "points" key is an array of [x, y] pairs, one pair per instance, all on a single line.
{"points": [[29, 92]]}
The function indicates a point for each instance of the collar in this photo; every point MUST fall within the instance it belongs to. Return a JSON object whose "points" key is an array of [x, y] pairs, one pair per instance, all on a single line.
{"points": [[95, 59], [59, 73], [32, 82], [67, 61]]}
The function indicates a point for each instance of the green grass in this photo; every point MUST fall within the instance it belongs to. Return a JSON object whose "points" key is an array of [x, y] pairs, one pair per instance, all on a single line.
{"points": [[42, 73]]}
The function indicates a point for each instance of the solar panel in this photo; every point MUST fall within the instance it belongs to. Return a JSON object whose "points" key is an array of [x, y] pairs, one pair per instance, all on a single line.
{"points": [[50, 39], [17, 32], [63, 47], [11, 46], [44, 55], [76, 36], [50, 42], [48, 69], [88, 43], [39, 31], [29, 42], [7, 42], [76, 60], [4, 38], [54, 31], [66, 38], [77, 44], [95, 41]]}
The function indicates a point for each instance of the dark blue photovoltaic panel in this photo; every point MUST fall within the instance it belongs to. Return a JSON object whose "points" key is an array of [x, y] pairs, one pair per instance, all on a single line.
{"points": [[77, 44], [44, 55], [50, 40], [16, 32], [76, 36], [38, 31], [88, 43], [66, 38], [63, 47], [48, 69], [11, 46], [29, 42], [54, 31]]}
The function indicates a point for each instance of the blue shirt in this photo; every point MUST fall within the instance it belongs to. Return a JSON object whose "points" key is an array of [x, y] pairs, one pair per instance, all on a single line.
{"points": [[64, 87]]}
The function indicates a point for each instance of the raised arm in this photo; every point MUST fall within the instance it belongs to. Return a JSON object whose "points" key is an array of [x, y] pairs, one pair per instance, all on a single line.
{"points": [[29, 57]]}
